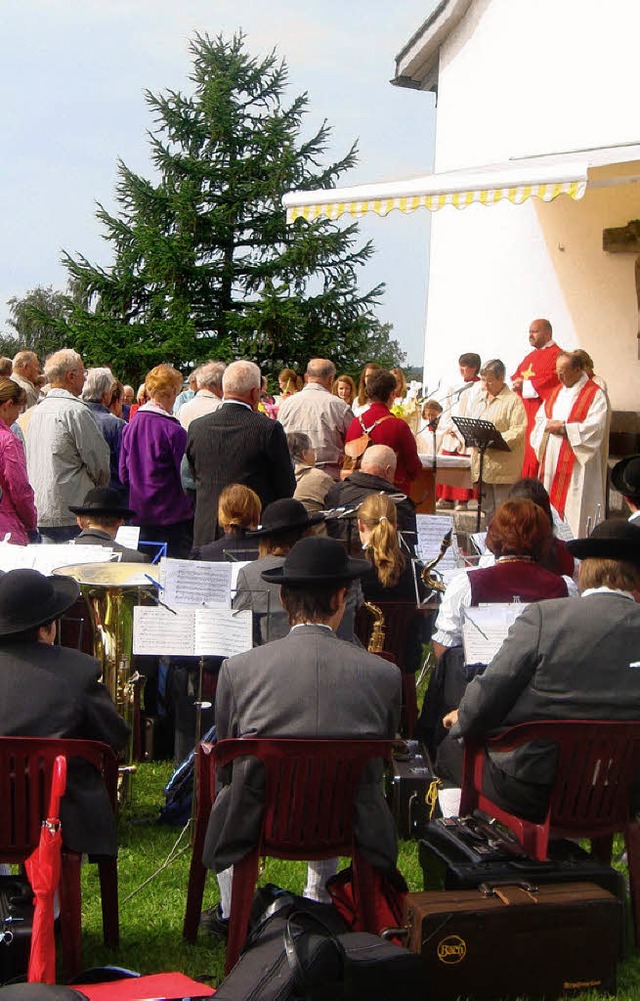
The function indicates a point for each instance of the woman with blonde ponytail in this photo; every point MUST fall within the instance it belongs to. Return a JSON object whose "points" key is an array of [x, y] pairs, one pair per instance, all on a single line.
{"points": [[391, 577]]}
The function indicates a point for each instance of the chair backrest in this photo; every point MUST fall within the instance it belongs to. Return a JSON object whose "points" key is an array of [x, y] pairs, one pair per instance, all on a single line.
{"points": [[402, 623], [598, 761], [26, 773], [310, 790]]}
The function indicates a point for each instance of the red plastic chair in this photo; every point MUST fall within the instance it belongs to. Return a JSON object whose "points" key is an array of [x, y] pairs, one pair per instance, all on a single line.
{"points": [[26, 769], [310, 790], [598, 761]]}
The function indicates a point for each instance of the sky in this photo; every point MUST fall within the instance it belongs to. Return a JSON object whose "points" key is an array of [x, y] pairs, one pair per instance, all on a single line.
{"points": [[73, 77]]}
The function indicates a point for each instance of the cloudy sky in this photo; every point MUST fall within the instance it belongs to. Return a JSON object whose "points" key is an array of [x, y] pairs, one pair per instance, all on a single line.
{"points": [[73, 74]]}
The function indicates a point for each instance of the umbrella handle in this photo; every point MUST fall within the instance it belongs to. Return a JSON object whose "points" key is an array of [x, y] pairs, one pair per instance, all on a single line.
{"points": [[58, 784]]}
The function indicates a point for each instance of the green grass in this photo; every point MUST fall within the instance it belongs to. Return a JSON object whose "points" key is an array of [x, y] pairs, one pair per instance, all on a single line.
{"points": [[151, 920]]}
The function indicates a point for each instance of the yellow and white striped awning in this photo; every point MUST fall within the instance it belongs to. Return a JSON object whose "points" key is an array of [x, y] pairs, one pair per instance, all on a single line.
{"points": [[513, 182]]}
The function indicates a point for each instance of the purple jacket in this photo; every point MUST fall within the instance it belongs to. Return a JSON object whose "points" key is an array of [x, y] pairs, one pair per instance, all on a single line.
{"points": [[152, 449]]}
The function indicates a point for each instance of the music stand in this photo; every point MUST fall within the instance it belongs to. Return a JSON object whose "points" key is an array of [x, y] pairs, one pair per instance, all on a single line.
{"points": [[481, 435]]}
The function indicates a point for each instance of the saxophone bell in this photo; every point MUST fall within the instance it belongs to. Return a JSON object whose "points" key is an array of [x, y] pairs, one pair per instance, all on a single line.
{"points": [[432, 581]]}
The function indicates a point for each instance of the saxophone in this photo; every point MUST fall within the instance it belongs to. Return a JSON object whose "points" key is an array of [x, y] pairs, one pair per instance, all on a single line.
{"points": [[376, 640], [429, 579]]}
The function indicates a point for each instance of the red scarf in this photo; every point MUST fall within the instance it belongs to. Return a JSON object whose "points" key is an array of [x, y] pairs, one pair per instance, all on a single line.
{"points": [[566, 458]]}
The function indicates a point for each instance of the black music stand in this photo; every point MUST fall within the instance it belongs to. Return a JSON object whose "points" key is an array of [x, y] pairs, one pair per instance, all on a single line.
{"points": [[481, 435]]}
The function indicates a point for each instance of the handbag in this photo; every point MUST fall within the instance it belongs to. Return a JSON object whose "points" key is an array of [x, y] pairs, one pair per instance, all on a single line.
{"points": [[16, 920], [355, 449]]}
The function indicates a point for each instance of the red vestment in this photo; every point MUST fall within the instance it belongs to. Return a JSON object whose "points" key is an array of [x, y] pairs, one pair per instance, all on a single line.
{"points": [[539, 367], [567, 457]]}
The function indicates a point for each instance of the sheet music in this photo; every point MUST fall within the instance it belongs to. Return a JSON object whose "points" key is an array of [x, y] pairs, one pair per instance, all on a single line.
{"points": [[129, 536], [485, 628], [191, 632], [46, 559], [190, 582], [431, 530], [16, 557]]}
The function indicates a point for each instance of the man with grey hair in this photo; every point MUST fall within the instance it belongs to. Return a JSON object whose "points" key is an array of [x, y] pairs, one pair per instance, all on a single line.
{"points": [[497, 403], [375, 476], [208, 396], [320, 414], [98, 388], [26, 372], [66, 453], [235, 444]]}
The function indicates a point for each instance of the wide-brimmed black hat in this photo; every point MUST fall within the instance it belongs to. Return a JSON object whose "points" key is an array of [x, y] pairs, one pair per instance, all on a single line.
{"points": [[625, 477], [103, 500], [614, 539], [29, 599], [316, 560], [285, 514]]}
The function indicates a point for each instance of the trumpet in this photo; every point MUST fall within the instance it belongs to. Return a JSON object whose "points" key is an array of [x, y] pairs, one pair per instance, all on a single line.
{"points": [[433, 581]]}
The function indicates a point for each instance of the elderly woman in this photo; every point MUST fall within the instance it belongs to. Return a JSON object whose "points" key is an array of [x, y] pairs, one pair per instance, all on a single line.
{"points": [[238, 514], [17, 507], [520, 538], [97, 393], [152, 449], [312, 484]]}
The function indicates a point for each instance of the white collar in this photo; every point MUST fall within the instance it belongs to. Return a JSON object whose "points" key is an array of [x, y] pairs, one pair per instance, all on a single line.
{"points": [[239, 403], [607, 590], [320, 625]]}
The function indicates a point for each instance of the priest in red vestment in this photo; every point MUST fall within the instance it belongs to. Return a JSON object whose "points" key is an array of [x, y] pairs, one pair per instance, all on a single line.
{"points": [[534, 380]]}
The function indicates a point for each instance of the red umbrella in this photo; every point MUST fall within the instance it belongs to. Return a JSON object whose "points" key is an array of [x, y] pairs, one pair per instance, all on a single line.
{"points": [[43, 870]]}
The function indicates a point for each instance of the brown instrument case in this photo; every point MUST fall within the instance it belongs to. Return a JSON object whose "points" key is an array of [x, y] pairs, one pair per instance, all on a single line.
{"points": [[503, 941]]}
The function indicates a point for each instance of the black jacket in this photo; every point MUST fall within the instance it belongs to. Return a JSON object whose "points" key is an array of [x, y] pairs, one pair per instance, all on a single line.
{"points": [[236, 445], [351, 493]]}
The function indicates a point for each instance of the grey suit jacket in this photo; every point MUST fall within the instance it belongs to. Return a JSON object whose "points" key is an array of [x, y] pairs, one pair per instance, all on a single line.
{"points": [[568, 658], [95, 537], [309, 684]]}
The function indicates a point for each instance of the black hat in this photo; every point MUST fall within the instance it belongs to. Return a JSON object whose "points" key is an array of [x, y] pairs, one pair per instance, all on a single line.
{"points": [[316, 560], [103, 500], [284, 514], [614, 539], [29, 599], [625, 477]]}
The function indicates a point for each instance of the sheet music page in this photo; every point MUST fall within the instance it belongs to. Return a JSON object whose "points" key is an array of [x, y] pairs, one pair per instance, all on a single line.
{"points": [[158, 632], [221, 632], [46, 559], [479, 540], [16, 557], [190, 582], [485, 628], [431, 530], [235, 570], [129, 536]]}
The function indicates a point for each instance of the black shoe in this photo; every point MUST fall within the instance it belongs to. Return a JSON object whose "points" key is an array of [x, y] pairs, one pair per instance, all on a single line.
{"points": [[212, 921]]}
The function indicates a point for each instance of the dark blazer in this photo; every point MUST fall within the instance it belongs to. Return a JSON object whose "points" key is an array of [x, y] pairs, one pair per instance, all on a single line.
{"points": [[236, 445], [95, 537], [309, 684], [242, 546], [51, 691], [568, 658], [351, 493]]}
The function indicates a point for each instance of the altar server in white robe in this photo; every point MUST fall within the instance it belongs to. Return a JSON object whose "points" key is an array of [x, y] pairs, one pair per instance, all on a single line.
{"points": [[568, 439]]}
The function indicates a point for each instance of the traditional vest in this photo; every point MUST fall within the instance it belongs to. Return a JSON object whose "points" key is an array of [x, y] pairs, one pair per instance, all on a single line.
{"points": [[566, 458], [517, 579]]}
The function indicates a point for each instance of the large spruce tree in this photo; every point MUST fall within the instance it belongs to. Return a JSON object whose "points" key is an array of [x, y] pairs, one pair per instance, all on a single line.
{"points": [[203, 262]]}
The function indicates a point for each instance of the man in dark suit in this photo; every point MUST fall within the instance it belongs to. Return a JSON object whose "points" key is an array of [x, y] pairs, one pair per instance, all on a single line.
{"points": [[308, 684], [237, 445], [375, 476], [567, 658], [100, 517], [51, 691]]}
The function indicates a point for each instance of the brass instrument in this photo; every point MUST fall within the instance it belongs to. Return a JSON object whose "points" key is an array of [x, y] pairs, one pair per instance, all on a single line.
{"points": [[429, 579], [376, 640], [111, 591]]}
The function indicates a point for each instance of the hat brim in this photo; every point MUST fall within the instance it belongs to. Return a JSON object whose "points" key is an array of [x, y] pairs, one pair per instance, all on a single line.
{"points": [[313, 519], [618, 479], [119, 512], [605, 549], [353, 569], [65, 592]]}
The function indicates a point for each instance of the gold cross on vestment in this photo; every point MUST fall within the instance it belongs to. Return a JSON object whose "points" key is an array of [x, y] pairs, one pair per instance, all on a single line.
{"points": [[527, 373]]}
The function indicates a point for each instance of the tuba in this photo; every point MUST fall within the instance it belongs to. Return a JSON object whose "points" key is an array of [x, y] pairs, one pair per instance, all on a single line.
{"points": [[430, 580], [376, 640], [111, 592]]}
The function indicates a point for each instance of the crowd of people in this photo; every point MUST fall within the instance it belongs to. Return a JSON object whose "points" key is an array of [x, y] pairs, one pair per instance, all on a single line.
{"points": [[222, 469]]}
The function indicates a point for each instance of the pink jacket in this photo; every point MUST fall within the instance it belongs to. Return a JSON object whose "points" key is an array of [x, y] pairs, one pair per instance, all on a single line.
{"points": [[17, 509]]}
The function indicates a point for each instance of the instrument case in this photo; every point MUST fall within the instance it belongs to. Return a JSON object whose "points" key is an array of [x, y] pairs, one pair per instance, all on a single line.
{"points": [[408, 780], [504, 941], [16, 919], [459, 853]]}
